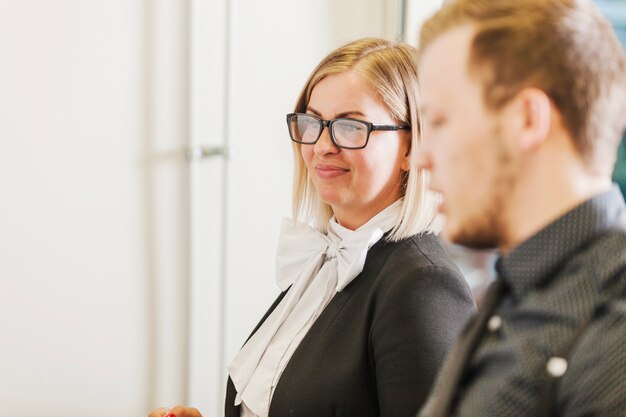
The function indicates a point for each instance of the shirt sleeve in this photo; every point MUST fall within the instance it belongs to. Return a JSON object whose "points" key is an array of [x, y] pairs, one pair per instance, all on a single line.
{"points": [[595, 383], [420, 314]]}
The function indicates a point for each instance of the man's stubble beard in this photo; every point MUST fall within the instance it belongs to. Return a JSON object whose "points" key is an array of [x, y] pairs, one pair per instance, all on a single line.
{"points": [[488, 228]]}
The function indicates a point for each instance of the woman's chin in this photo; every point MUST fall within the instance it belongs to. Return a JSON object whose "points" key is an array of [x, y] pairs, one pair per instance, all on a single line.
{"points": [[330, 198]]}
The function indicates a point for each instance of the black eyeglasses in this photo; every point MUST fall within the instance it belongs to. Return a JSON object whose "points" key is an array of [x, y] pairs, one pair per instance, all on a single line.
{"points": [[346, 133]]}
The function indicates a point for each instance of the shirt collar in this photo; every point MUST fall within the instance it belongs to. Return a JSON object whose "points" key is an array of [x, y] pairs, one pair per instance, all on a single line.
{"points": [[384, 220], [534, 261]]}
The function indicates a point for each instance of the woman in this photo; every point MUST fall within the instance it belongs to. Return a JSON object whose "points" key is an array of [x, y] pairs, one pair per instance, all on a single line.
{"points": [[370, 300]]}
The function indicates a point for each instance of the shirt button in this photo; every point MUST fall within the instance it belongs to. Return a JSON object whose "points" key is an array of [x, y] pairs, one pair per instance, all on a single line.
{"points": [[494, 323], [556, 366]]}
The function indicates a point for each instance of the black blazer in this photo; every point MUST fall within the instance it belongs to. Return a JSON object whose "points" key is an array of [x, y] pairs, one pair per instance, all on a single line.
{"points": [[376, 348]]}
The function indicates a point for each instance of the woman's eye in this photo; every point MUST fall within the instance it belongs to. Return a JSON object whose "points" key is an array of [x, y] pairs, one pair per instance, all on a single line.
{"points": [[353, 128]]}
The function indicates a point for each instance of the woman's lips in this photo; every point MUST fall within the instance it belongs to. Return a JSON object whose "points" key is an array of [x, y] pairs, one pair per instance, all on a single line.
{"points": [[329, 171]]}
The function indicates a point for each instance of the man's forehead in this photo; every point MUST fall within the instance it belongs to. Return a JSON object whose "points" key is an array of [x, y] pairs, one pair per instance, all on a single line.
{"points": [[443, 63], [451, 46]]}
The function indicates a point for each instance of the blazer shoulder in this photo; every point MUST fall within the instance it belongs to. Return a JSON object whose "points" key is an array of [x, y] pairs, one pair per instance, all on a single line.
{"points": [[419, 263], [420, 251]]}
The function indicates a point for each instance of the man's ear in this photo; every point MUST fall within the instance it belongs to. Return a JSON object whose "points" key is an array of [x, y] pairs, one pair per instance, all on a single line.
{"points": [[529, 118]]}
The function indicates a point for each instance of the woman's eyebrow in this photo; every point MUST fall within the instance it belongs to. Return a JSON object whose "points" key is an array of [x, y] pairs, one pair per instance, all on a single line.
{"points": [[337, 116]]}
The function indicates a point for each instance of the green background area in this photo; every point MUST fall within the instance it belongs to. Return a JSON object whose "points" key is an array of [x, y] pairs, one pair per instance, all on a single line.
{"points": [[615, 10]]}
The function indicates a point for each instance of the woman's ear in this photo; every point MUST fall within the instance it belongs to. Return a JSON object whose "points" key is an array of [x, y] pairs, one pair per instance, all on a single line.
{"points": [[406, 162], [406, 159]]}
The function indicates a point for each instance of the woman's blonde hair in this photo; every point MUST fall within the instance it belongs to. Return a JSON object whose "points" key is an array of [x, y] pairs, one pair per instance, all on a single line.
{"points": [[391, 69]]}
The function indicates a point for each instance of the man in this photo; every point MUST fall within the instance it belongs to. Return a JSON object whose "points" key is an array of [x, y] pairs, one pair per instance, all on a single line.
{"points": [[524, 103]]}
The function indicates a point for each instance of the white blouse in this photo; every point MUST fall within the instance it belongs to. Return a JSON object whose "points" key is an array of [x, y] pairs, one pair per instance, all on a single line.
{"points": [[316, 266]]}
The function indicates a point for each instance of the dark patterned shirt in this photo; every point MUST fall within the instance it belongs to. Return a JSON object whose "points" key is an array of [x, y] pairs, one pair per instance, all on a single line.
{"points": [[565, 297]]}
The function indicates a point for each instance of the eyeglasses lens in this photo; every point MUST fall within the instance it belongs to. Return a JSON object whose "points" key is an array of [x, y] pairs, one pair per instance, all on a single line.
{"points": [[304, 128], [350, 133]]}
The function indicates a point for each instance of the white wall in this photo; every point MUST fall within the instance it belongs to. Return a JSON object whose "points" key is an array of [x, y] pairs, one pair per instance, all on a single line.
{"points": [[74, 324], [129, 276], [417, 11]]}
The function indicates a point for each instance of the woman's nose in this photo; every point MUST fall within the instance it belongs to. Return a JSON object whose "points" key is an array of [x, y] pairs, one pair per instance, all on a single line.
{"points": [[324, 144]]}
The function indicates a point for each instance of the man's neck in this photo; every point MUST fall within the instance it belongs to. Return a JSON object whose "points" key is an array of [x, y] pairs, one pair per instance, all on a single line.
{"points": [[546, 194]]}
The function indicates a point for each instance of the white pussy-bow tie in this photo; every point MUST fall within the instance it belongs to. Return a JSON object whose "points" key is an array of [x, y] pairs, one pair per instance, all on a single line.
{"points": [[302, 250]]}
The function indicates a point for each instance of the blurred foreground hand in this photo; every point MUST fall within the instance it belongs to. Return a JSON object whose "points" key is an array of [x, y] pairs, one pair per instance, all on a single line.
{"points": [[177, 411]]}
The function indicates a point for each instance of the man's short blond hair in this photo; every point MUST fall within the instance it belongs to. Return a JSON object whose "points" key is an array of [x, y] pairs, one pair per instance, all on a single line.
{"points": [[566, 48]]}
